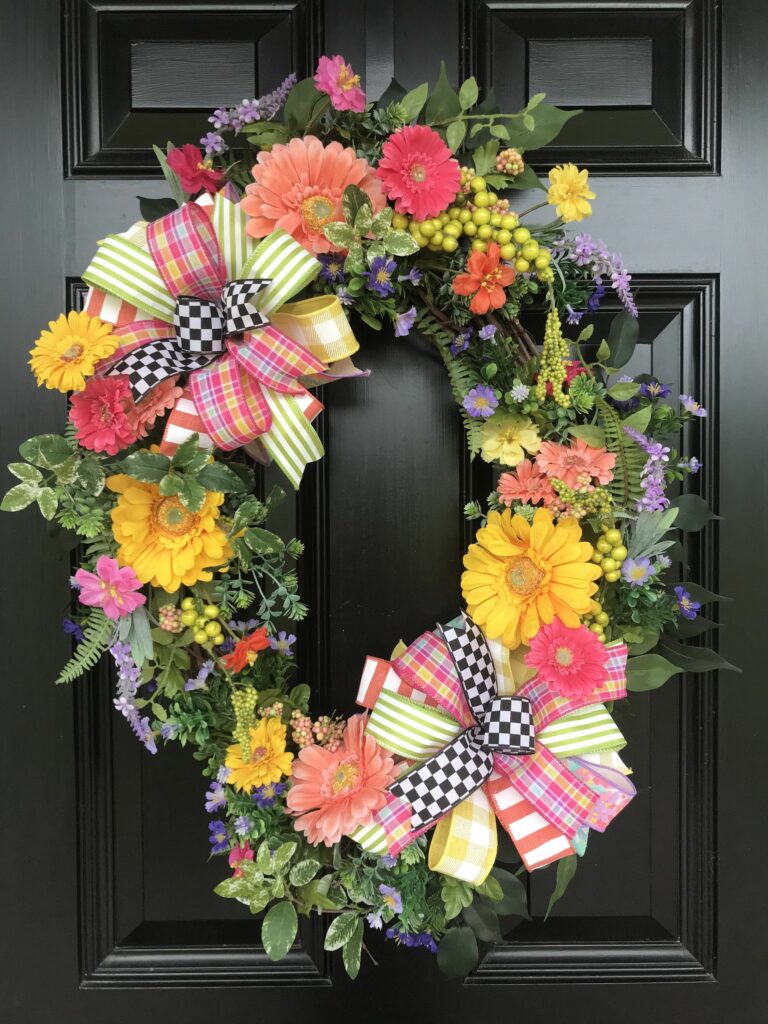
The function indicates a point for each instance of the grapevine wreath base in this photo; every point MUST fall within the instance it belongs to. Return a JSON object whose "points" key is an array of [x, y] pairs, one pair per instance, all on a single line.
{"points": [[207, 327]]}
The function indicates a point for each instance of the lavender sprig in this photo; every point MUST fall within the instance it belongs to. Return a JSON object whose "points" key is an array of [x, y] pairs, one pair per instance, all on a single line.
{"points": [[127, 685], [652, 476]]}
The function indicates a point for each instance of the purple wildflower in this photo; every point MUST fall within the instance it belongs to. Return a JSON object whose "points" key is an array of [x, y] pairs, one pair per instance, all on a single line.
{"points": [[333, 267], [652, 476], [169, 729], [413, 940], [392, 898], [654, 389], [586, 252], [215, 798], [387, 860], [127, 685], [689, 608], [222, 775], [692, 465], [574, 315], [380, 276], [637, 571], [374, 919], [344, 297], [414, 275], [282, 643], [73, 629], [487, 333], [597, 296], [198, 681], [520, 392], [218, 838], [213, 143], [663, 562], [461, 342], [480, 401], [265, 796], [221, 118], [242, 825], [690, 405], [405, 322]]}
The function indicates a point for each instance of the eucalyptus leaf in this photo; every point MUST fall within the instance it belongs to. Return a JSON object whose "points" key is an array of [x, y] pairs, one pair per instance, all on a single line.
{"points": [[693, 512], [468, 93], [695, 659], [443, 105], [278, 930], [639, 419], [455, 134], [649, 671], [515, 898], [153, 209], [483, 921], [457, 954], [540, 131], [413, 102], [499, 131], [566, 869], [485, 157], [622, 338], [603, 351], [527, 179]]}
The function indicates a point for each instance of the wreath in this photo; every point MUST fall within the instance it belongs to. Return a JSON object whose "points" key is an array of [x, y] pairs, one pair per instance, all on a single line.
{"points": [[206, 327]]}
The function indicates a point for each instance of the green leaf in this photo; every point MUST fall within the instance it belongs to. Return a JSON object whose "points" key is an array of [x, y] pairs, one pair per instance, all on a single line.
{"points": [[443, 105], [258, 897], [695, 659], [483, 921], [278, 930], [623, 391], [498, 131], [23, 471], [456, 895], [382, 221], [622, 338], [281, 858], [91, 477], [355, 264], [642, 646], [170, 176], [266, 133], [548, 124], [304, 871], [19, 497], [490, 889], [485, 157], [192, 495], [315, 894], [352, 950], [263, 542], [363, 221], [457, 953], [414, 100], [341, 930], [153, 209], [352, 202], [218, 477], [468, 94], [173, 484], [693, 512], [649, 671], [529, 179], [700, 594], [515, 898], [603, 351], [234, 889], [302, 105], [47, 502], [149, 467], [46, 450], [684, 629], [639, 420], [455, 134], [400, 243], [528, 122], [590, 433], [263, 861], [186, 452], [566, 869]]}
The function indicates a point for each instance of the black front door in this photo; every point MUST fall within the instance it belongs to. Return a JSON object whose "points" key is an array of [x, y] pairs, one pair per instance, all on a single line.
{"points": [[108, 911]]}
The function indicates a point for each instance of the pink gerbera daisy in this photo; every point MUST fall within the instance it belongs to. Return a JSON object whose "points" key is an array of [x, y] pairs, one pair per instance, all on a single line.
{"points": [[335, 77], [110, 588], [418, 171], [569, 661], [526, 484], [335, 791], [576, 464], [160, 399], [299, 186], [101, 414]]}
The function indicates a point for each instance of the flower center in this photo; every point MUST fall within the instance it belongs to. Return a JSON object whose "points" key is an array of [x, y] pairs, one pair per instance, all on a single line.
{"points": [[205, 165], [346, 79], [417, 172], [170, 516], [258, 754], [489, 281], [316, 212], [345, 777], [564, 656], [74, 351], [524, 576]]}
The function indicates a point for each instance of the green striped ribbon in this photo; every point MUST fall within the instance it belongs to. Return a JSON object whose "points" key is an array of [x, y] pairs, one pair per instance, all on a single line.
{"points": [[291, 441], [587, 731], [372, 838], [236, 245], [409, 729], [288, 265], [121, 268]]}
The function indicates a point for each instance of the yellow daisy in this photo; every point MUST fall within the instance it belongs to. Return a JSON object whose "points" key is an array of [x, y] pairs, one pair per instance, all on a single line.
{"points": [[569, 191], [68, 352], [520, 575], [506, 438], [164, 543], [268, 762]]}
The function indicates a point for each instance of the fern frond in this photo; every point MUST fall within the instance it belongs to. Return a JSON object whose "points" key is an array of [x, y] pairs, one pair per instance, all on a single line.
{"points": [[625, 487], [98, 632]]}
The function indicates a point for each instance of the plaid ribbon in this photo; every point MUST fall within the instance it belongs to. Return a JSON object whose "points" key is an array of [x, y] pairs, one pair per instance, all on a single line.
{"points": [[545, 804]]}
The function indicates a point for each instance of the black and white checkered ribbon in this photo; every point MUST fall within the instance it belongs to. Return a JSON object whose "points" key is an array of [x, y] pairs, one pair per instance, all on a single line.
{"points": [[504, 725], [202, 328]]}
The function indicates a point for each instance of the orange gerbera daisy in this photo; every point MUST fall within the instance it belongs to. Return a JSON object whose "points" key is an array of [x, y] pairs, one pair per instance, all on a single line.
{"points": [[298, 187], [485, 280]]}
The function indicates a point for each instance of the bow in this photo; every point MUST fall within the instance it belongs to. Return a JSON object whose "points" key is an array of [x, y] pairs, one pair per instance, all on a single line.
{"points": [[191, 293], [483, 754]]}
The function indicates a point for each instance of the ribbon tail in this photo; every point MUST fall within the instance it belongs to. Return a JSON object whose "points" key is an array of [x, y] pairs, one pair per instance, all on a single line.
{"points": [[183, 421], [464, 842], [292, 441]]}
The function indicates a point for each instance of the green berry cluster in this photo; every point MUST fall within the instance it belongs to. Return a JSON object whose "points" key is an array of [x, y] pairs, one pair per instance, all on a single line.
{"points": [[595, 501], [244, 706], [552, 365]]}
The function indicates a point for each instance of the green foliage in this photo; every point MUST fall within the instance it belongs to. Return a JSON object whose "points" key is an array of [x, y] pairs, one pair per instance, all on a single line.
{"points": [[630, 458], [649, 671], [278, 930], [98, 632], [693, 512], [566, 869], [457, 954]]}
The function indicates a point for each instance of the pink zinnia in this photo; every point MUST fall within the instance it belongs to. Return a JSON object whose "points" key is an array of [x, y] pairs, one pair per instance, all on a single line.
{"points": [[569, 661], [337, 78], [418, 171], [159, 400], [576, 464], [526, 484], [237, 855], [335, 791], [110, 588], [101, 414]]}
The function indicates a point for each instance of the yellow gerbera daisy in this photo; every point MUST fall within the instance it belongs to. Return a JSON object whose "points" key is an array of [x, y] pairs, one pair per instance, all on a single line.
{"points": [[506, 438], [164, 543], [68, 352], [520, 575], [268, 762], [569, 191]]}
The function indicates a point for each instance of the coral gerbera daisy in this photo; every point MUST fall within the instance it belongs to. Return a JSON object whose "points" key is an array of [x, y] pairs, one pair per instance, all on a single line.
{"points": [[163, 542], [268, 760], [526, 484], [507, 437], [576, 464], [101, 413], [485, 280], [299, 186], [419, 171], [570, 661], [520, 575], [157, 402], [569, 191], [334, 792], [69, 350]]}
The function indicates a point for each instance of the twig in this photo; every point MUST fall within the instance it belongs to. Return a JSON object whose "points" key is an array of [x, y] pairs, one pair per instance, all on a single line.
{"points": [[374, 961]]}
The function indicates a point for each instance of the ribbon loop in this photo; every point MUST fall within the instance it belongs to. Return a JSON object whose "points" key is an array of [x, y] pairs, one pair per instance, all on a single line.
{"points": [[199, 325], [508, 726]]}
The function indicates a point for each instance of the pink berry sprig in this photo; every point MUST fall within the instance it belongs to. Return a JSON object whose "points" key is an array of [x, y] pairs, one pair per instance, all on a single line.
{"points": [[169, 618]]}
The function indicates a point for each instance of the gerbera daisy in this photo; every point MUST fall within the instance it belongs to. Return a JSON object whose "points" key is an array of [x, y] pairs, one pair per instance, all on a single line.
{"points": [[299, 186], [334, 792], [246, 650], [335, 77], [570, 661], [419, 172], [485, 280], [507, 437], [110, 588], [163, 542], [69, 350], [101, 413], [160, 399], [268, 762], [576, 464], [520, 575], [527, 484], [569, 191]]}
